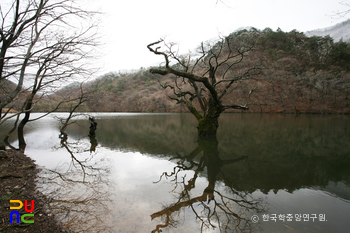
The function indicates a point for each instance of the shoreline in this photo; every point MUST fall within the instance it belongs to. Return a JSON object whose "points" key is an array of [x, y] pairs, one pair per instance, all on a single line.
{"points": [[17, 182]]}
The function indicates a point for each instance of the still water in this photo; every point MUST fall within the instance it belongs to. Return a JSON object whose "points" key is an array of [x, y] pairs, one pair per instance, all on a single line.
{"points": [[150, 173]]}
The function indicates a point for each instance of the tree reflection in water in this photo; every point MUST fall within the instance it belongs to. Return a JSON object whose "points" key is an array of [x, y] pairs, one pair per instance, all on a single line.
{"points": [[78, 192], [228, 210]]}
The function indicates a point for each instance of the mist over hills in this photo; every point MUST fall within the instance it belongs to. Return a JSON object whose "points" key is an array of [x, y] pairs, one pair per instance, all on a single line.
{"points": [[337, 32]]}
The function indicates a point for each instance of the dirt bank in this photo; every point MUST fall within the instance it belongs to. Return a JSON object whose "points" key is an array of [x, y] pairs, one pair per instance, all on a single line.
{"points": [[17, 182]]}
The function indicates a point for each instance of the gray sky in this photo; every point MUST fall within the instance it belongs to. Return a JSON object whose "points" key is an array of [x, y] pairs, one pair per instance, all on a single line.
{"points": [[129, 25]]}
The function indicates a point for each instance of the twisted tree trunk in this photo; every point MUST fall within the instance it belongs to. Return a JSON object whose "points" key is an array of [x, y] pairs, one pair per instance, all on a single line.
{"points": [[209, 123]]}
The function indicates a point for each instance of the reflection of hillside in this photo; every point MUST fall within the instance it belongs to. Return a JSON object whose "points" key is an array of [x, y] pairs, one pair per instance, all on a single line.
{"points": [[340, 189], [162, 134], [284, 151]]}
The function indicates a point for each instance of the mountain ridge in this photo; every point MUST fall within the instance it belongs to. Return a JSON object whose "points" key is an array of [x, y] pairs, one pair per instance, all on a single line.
{"points": [[339, 31], [301, 75]]}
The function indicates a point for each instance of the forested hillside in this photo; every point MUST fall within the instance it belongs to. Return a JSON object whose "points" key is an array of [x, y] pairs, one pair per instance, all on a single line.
{"points": [[300, 74]]}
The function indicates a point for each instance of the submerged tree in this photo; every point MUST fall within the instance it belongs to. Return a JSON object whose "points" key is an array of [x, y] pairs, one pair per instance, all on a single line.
{"points": [[217, 69]]}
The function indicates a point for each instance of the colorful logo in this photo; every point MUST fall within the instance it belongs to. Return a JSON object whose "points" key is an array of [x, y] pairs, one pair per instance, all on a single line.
{"points": [[23, 215]]}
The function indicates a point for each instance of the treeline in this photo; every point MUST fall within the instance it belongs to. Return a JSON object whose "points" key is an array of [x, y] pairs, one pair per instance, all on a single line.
{"points": [[300, 75], [316, 51]]}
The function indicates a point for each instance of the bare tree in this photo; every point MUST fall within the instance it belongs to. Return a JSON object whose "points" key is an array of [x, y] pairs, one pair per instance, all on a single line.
{"points": [[81, 99], [10, 37], [215, 71], [45, 43], [342, 14]]}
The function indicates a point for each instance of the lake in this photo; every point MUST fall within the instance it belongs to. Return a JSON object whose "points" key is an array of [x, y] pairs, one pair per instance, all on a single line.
{"points": [[150, 173]]}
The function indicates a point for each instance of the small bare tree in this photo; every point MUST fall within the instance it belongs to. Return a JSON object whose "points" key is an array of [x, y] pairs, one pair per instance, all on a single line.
{"points": [[207, 78]]}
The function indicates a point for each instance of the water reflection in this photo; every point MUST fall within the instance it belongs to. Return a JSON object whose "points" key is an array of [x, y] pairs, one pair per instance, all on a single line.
{"points": [[78, 191], [228, 210], [284, 151], [93, 143], [280, 164]]}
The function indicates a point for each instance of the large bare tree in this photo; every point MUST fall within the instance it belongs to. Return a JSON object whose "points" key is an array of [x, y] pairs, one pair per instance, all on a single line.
{"points": [[201, 83]]}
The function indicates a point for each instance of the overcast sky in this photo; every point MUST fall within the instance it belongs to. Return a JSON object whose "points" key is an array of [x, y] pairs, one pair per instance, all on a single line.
{"points": [[129, 25]]}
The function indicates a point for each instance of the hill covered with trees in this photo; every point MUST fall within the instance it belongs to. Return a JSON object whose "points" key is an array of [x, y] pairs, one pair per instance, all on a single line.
{"points": [[299, 74]]}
